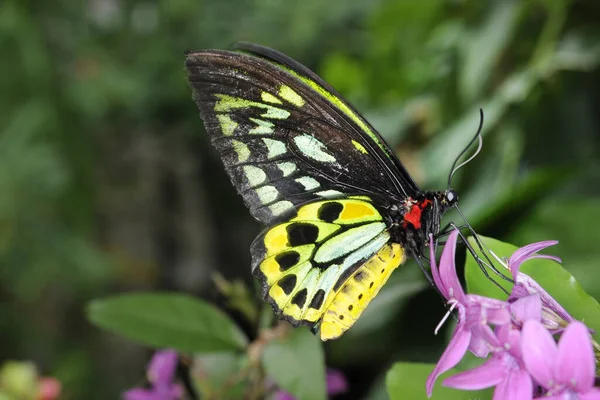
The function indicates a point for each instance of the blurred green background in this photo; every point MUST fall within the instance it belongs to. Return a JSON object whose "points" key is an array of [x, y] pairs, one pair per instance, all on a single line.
{"points": [[108, 183]]}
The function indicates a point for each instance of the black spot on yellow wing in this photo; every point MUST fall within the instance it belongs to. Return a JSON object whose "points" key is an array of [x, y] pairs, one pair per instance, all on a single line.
{"points": [[329, 212], [287, 284], [287, 260], [317, 300], [299, 298], [302, 233]]}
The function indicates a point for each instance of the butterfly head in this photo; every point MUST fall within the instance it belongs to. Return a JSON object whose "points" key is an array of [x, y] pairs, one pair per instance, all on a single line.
{"points": [[448, 198]]}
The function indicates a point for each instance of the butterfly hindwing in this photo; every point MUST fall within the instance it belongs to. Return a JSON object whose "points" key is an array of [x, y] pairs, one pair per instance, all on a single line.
{"points": [[284, 139], [306, 265]]}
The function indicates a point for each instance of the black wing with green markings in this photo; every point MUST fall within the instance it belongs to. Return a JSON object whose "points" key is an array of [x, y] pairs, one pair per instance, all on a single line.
{"points": [[286, 137]]}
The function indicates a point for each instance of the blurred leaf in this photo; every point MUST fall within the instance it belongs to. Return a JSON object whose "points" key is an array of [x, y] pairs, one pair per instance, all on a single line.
{"points": [[440, 152], [344, 74], [297, 365], [557, 14], [219, 375], [407, 381], [170, 320], [484, 47], [19, 379], [557, 281], [237, 296], [532, 187]]}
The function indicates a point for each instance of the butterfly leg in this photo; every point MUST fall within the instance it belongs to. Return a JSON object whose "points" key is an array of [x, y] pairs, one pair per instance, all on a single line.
{"points": [[419, 260], [483, 265]]}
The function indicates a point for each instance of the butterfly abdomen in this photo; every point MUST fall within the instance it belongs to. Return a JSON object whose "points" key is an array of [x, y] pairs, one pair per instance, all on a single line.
{"points": [[356, 293]]}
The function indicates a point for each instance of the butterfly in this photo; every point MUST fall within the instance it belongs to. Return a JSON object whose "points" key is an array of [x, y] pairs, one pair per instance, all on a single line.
{"points": [[341, 211]]}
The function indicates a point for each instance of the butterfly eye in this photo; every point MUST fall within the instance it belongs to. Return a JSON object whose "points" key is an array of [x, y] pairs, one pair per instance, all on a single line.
{"points": [[451, 197]]}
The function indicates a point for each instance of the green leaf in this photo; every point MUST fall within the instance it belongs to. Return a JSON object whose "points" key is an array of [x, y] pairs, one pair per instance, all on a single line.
{"points": [[220, 375], [557, 281], [407, 381], [297, 364], [170, 320]]}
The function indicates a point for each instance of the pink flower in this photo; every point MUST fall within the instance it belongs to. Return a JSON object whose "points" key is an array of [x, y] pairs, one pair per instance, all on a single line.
{"points": [[49, 388], [566, 370], [336, 384], [554, 316], [504, 369], [524, 360], [474, 313], [161, 373]]}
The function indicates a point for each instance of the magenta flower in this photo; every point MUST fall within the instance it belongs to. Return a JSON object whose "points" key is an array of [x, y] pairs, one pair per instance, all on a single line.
{"points": [[566, 370], [336, 384], [474, 313], [554, 316], [525, 361], [504, 369], [161, 372]]}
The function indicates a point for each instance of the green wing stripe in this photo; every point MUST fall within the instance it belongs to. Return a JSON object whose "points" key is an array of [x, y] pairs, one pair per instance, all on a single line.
{"points": [[342, 106]]}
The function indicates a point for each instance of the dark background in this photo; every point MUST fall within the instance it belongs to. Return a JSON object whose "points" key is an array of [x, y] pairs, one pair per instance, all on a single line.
{"points": [[108, 183]]}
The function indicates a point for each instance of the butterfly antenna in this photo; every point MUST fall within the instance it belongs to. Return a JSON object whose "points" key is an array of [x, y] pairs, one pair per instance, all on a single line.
{"points": [[462, 153]]}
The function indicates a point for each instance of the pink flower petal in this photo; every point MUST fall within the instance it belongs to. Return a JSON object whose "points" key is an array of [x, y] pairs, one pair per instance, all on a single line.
{"points": [[528, 307], [452, 355], [486, 375], [516, 386], [48, 388], [482, 309], [509, 339], [575, 364], [435, 274], [479, 346], [447, 270], [525, 282], [593, 394], [162, 367], [527, 252], [539, 352], [483, 339], [336, 382], [139, 394], [283, 395]]}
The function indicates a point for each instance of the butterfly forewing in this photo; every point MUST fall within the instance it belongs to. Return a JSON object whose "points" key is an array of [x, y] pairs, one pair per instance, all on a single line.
{"points": [[282, 142]]}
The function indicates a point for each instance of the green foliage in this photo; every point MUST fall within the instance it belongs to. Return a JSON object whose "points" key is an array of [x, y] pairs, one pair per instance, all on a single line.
{"points": [[407, 381], [297, 364], [218, 375], [168, 320]]}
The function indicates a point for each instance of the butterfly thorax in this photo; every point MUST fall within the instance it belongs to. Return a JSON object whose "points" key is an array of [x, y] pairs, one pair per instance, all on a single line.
{"points": [[415, 218]]}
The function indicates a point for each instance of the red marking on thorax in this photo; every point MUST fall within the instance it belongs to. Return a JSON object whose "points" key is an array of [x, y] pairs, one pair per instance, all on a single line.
{"points": [[413, 216]]}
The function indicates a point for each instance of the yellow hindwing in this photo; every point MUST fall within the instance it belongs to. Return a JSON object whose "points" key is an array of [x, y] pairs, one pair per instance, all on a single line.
{"points": [[326, 263]]}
